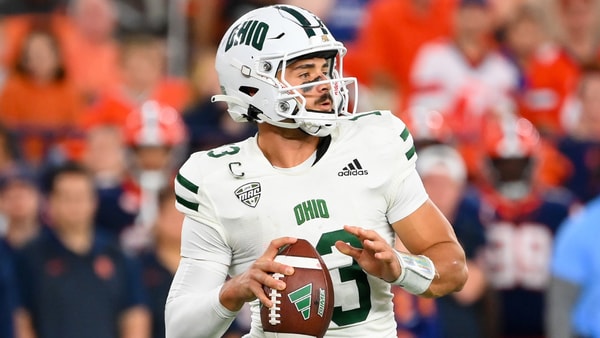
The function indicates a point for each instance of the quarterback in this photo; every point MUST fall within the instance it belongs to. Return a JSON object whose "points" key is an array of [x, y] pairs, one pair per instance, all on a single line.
{"points": [[344, 181]]}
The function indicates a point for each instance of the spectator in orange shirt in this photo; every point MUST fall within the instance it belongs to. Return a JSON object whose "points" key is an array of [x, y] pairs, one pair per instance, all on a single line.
{"points": [[38, 101], [86, 35], [393, 32], [547, 73], [143, 78], [91, 50], [15, 29]]}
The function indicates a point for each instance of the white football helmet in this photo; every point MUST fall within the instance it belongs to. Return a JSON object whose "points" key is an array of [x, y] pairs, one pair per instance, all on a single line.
{"points": [[259, 45]]}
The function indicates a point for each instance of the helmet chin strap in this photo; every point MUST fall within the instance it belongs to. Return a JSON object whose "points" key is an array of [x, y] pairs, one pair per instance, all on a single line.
{"points": [[309, 128], [316, 130]]}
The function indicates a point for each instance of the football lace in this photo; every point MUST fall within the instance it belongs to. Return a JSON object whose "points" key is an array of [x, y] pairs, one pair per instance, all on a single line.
{"points": [[274, 314]]}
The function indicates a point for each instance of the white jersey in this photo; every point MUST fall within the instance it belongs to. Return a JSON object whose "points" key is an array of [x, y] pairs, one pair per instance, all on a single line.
{"points": [[443, 76], [242, 203]]}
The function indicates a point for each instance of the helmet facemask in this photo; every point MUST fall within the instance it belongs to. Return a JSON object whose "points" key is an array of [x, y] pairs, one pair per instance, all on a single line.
{"points": [[292, 104], [513, 177], [511, 143]]}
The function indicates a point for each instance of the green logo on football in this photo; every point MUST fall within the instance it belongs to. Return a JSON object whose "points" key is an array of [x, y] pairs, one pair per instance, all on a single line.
{"points": [[301, 299]]}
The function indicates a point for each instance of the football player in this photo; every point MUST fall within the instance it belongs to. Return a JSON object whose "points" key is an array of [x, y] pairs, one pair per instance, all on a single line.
{"points": [[521, 217], [345, 182]]}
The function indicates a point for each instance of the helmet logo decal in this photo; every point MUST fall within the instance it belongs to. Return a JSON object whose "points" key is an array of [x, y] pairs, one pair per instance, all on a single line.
{"points": [[304, 22], [249, 193], [250, 33]]}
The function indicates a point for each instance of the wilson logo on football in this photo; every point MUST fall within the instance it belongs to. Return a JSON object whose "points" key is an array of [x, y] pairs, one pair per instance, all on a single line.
{"points": [[249, 194]]}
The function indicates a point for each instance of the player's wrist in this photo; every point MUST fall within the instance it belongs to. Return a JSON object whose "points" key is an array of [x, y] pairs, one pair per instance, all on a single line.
{"points": [[229, 298], [417, 272]]}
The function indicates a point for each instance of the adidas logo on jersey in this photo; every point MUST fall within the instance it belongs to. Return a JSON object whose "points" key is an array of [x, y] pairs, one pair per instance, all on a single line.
{"points": [[353, 169]]}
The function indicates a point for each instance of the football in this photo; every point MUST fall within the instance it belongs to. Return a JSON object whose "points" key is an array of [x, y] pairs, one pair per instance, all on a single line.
{"points": [[305, 307]]}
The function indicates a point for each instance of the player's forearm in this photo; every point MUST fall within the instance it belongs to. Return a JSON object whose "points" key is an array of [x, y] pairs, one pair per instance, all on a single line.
{"points": [[197, 315], [193, 308], [450, 264]]}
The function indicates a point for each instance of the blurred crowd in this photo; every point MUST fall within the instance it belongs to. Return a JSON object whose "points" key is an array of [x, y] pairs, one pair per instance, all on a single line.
{"points": [[102, 100]]}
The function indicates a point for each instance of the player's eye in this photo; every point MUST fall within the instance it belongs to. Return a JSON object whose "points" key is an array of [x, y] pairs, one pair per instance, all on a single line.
{"points": [[305, 75]]}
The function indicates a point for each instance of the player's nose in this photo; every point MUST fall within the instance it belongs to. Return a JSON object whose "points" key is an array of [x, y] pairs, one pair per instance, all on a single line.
{"points": [[323, 86]]}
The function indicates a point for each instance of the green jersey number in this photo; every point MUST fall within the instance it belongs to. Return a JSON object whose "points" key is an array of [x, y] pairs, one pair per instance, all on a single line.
{"points": [[227, 150], [348, 273]]}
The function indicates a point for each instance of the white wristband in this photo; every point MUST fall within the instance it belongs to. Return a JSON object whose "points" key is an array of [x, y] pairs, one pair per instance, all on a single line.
{"points": [[417, 272]]}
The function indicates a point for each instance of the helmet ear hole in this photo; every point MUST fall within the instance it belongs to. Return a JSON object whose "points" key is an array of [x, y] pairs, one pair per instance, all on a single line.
{"points": [[250, 91]]}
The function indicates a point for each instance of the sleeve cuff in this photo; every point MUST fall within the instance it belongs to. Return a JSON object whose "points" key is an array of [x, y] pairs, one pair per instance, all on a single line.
{"points": [[221, 310]]}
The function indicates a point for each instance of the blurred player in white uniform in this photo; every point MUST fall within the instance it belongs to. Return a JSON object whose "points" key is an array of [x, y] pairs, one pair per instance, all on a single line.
{"points": [[345, 182]]}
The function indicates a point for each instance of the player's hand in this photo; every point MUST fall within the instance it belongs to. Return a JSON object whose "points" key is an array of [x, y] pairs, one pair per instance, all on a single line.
{"points": [[376, 257], [248, 286]]}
